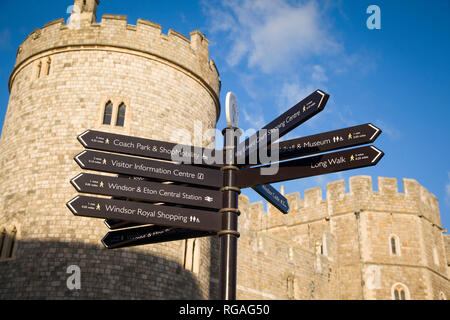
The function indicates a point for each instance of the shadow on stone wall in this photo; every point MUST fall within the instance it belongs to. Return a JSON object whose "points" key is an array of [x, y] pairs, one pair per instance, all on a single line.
{"points": [[39, 271]]}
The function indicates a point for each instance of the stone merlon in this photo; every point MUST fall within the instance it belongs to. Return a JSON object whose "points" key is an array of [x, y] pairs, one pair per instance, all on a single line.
{"points": [[361, 196]]}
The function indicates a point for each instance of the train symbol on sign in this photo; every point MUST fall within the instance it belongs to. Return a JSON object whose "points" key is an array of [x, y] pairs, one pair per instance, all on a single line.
{"points": [[209, 199]]}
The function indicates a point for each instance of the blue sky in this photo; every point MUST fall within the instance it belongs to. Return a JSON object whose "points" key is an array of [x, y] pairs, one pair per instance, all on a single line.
{"points": [[272, 54]]}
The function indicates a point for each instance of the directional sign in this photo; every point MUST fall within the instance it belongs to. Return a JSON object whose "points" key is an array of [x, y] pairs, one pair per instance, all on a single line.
{"points": [[273, 196], [105, 141], [327, 141], [120, 224], [148, 235], [107, 162], [288, 121], [312, 166], [149, 191], [146, 213]]}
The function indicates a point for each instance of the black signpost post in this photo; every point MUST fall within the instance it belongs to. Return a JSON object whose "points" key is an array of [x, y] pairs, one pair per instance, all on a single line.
{"points": [[145, 212]]}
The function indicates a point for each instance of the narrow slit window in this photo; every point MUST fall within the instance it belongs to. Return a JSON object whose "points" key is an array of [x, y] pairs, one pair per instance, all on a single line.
{"points": [[107, 115], [12, 243], [2, 241], [49, 64], [393, 246], [120, 122], [39, 69]]}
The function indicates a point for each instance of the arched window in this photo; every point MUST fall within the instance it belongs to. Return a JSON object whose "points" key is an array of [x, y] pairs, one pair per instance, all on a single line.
{"points": [[394, 244], [120, 122], [107, 114], [400, 292]]}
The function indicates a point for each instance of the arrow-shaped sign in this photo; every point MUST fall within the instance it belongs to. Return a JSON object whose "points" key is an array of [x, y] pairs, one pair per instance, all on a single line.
{"points": [[301, 112], [145, 213], [105, 141], [274, 197], [149, 235], [327, 141], [312, 166], [148, 191], [108, 162]]}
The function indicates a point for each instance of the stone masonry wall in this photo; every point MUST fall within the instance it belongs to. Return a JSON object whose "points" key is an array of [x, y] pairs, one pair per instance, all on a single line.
{"points": [[350, 235]]}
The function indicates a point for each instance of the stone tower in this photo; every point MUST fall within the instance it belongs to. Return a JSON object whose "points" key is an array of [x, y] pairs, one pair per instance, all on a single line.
{"points": [[108, 76]]}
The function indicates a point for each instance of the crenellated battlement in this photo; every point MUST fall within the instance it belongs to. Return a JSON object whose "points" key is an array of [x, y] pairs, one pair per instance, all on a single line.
{"points": [[361, 196], [144, 38]]}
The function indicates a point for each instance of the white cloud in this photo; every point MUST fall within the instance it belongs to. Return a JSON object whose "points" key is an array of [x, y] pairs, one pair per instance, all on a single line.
{"points": [[318, 74], [390, 130], [272, 35], [291, 93], [254, 119]]}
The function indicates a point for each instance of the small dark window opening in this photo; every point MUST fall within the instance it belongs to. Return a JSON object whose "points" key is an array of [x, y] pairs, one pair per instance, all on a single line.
{"points": [[13, 242], [2, 240], [107, 115], [120, 122], [393, 246]]}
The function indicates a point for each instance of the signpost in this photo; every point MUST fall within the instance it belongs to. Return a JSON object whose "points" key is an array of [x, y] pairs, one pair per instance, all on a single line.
{"points": [[148, 191], [145, 213], [161, 210], [105, 141], [112, 163], [149, 235], [298, 114], [327, 141], [312, 166], [273, 196]]}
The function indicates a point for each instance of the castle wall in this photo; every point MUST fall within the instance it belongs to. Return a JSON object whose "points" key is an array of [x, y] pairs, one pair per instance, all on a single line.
{"points": [[352, 232]]}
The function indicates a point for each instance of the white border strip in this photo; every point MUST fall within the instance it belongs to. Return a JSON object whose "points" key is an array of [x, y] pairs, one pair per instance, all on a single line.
{"points": [[70, 204], [379, 153], [74, 183], [376, 131], [78, 160], [80, 137]]}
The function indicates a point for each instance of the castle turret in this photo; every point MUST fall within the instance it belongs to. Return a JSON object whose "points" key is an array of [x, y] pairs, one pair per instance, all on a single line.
{"points": [[108, 76]]}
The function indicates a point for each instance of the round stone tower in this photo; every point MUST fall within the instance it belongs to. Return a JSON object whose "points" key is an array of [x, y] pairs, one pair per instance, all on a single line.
{"points": [[107, 76]]}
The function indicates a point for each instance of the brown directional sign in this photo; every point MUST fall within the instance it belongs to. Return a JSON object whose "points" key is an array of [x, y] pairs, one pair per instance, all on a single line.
{"points": [[105, 141], [146, 213], [273, 196], [149, 235], [148, 191], [301, 112], [108, 162], [328, 141], [312, 166]]}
